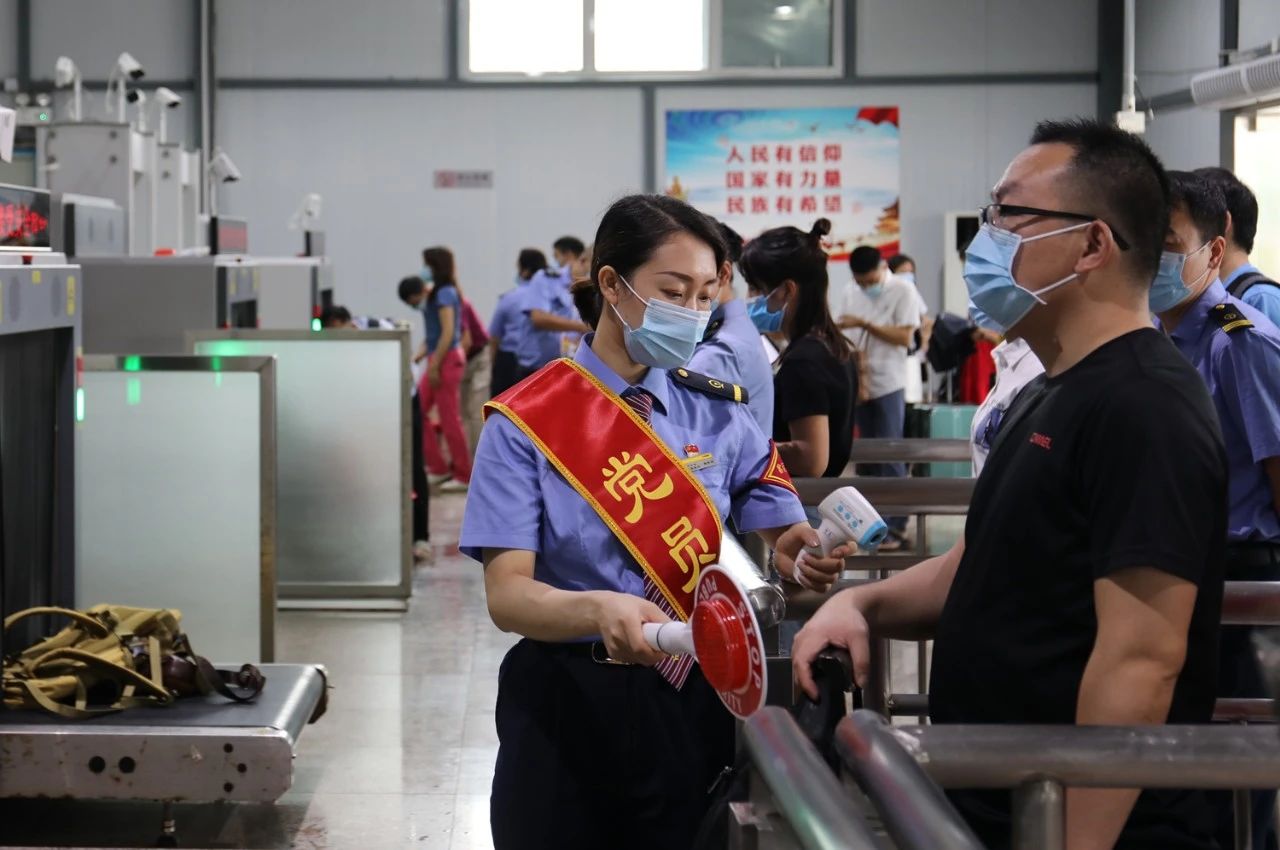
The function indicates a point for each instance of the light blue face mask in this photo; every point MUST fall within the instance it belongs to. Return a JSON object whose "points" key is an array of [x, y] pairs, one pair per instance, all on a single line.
{"points": [[988, 275], [426, 274], [908, 276], [1169, 290], [874, 291], [667, 335], [982, 320], [766, 321]]}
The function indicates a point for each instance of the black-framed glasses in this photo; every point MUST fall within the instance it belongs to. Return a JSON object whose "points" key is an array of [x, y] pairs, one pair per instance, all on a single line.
{"points": [[994, 214]]}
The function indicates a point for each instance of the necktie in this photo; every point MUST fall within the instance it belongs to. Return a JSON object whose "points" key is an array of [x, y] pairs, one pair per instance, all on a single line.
{"points": [[674, 670]]}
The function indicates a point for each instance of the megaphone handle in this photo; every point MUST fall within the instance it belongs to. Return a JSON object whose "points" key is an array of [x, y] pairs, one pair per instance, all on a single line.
{"points": [[672, 638]]}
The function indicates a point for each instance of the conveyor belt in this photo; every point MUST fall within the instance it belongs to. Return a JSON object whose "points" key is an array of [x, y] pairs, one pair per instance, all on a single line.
{"points": [[199, 750]]}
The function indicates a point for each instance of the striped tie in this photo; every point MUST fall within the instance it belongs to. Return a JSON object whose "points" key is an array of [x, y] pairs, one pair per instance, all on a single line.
{"points": [[674, 670]]}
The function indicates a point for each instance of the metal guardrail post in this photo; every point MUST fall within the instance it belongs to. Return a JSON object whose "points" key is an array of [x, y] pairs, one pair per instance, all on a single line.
{"points": [[1242, 812], [1039, 816], [914, 810], [806, 792]]}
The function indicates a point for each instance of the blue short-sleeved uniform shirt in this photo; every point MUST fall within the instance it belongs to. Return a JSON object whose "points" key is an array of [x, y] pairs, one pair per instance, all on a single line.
{"points": [[1242, 370], [517, 499], [1261, 297], [549, 292], [734, 353], [509, 321], [444, 296]]}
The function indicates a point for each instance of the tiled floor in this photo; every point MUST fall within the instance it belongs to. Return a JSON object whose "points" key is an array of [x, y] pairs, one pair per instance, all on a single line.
{"points": [[404, 757]]}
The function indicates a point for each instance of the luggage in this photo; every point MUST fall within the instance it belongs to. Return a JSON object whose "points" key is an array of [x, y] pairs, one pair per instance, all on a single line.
{"points": [[112, 657]]}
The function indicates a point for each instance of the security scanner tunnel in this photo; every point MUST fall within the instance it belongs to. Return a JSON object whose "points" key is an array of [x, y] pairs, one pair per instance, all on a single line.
{"points": [[69, 537]]}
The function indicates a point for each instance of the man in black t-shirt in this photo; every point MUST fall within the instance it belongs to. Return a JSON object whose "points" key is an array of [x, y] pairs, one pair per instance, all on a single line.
{"points": [[1088, 586]]}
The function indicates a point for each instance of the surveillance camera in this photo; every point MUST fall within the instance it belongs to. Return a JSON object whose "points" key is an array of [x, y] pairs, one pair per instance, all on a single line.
{"points": [[167, 97], [130, 66], [222, 168], [65, 72]]}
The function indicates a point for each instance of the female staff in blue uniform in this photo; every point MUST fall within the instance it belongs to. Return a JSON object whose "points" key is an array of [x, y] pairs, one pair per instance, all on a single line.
{"points": [[599, 492]]}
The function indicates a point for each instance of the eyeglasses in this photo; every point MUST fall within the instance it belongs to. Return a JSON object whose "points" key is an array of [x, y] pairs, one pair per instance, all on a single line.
{"points": [[995, 215]]}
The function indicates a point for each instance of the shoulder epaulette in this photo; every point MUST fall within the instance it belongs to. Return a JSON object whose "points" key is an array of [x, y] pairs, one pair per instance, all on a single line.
{"points": [[710, 386], [1229, 318]]}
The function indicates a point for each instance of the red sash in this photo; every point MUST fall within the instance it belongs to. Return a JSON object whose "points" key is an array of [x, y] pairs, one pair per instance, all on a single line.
{"points": [[651, 502]]}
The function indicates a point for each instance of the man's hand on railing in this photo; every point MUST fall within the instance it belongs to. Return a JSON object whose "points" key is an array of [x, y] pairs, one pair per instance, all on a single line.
{"points": [[840, 624]]}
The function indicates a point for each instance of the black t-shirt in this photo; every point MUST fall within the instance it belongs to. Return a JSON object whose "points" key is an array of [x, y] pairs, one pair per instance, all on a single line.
{"points": [[1118, 462], [811, 382]]}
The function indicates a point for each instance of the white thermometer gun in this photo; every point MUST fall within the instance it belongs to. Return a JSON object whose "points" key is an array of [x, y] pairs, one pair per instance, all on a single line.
{"points": [[847, 517]]}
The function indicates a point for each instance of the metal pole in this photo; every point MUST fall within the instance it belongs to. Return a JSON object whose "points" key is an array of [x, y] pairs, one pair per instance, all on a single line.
{"points": [[875, 695], [922, 675], [206, 100], [1242, 811], [1039, 816], [1130, 78]]}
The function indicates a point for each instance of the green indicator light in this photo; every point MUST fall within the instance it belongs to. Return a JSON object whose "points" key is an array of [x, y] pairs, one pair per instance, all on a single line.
{"points": [[133, 391], [315, 324], [133, 363], [216, 363], [79, 404], [44, 116]]}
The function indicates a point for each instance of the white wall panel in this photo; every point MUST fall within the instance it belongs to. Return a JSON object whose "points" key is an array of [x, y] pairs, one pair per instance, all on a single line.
{"points": [[1186, 138], [975, 36], [159, 33], [558, 157], [9, 39], [956, 142], [331, 38], [1259, 22], [1175, 39]]}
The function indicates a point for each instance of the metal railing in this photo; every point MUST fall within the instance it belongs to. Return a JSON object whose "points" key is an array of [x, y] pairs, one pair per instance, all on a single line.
{"points": [[1040, 762], [813, 811], [914, 810], [931, 450]]}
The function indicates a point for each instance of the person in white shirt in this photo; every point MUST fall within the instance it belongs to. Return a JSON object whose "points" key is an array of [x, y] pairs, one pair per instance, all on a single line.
{"points": [[1016, 366], [903, 267], [880, 314]]}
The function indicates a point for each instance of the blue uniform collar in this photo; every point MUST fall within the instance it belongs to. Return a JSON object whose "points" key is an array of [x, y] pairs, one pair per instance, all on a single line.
{"points": [[1194, 320], [654, 381], [730, 310], [1247, 268]]}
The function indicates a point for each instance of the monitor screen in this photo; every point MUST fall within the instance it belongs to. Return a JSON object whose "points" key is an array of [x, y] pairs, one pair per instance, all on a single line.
{"points": [[24, 218], [244, 314]]}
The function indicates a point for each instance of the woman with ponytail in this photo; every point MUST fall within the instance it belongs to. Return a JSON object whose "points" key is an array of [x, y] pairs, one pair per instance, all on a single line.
{"points": [[817, 379]]}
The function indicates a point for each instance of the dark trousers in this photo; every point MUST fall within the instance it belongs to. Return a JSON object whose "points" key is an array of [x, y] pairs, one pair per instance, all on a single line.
{"points": [[421, 492], [505, 373], [1240, 676], [596, 756], [883, 417]]}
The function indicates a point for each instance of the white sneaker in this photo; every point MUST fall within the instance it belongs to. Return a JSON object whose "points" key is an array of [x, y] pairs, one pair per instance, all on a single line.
{"points": [[435, 480], [453, 485], [422, 552]]}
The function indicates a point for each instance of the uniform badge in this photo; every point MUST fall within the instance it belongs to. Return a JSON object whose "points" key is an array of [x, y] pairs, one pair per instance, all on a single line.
{"points": [[775, 472], [690, 450]]}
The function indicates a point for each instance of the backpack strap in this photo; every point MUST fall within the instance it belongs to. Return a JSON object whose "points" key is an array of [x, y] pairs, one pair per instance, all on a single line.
{"points": [[85, 620], [1245, 282]]}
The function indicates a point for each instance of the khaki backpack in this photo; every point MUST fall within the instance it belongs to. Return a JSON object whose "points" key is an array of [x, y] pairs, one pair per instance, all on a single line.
{"points": [[112, 657]]}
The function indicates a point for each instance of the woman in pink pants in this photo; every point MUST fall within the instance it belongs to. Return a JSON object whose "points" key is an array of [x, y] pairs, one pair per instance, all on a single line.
{"points": [[439, 388]]}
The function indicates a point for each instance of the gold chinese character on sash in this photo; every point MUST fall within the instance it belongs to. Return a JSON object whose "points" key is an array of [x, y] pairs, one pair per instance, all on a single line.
{"points": [[689, 549], [628, 476]]}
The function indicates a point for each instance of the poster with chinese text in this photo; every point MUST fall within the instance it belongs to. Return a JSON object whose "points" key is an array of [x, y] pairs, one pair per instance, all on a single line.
{"points": [[760, 168]]}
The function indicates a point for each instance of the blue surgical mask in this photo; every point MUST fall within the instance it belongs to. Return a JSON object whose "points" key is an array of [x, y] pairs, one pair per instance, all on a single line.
{"points": [[766, 321], [982, 320], [426, 274], [874, 291], [988, 275], [668, 334], [908, 276], [1168, 290]]}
